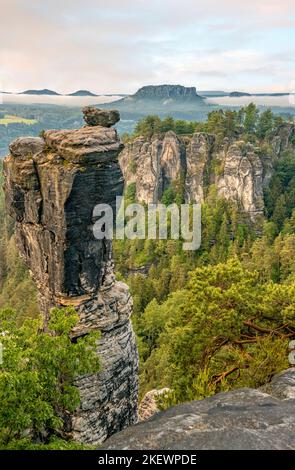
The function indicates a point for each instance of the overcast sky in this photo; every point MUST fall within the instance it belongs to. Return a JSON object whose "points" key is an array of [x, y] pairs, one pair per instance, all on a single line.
{"points": [[110, 46]]}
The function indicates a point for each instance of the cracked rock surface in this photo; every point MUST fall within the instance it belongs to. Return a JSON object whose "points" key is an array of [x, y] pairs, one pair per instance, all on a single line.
{"points": [[245, 419]]}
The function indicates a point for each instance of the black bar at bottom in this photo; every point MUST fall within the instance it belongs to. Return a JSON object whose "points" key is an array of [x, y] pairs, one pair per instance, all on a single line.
{"points": [[133, 459]]}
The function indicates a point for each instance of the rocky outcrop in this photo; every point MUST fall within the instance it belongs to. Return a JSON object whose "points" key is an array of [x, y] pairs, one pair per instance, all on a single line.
{"points": [[172, 160], [199, 154], [99, 117], [244, 419], [52, 185], [236, 169], [282, 385], [241, 178], [284, 138], [149, 404], [153, 164]]}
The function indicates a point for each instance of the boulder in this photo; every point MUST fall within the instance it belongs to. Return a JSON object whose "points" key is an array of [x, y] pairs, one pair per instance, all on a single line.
{"points": [[282, 385], [96, 144], [24, 147], [100, 117], [148, 405]]}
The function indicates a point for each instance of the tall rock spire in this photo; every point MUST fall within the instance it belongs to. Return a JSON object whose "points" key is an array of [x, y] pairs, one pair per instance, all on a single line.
{"points": [[52, 185]]}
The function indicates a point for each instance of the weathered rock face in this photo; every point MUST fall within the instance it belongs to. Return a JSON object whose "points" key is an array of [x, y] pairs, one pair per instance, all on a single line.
{"points": [[52, 186], [244, 419], [153, 164], [199, 154], [241, 178], [282, 385], [238, 170], [283, 138]]}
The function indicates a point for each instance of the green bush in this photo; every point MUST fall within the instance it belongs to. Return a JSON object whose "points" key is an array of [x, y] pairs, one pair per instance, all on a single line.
{"points": [[37, 375]]}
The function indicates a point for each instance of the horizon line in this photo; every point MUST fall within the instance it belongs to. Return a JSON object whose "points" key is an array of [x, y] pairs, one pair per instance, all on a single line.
{"points": [[110, 93]]}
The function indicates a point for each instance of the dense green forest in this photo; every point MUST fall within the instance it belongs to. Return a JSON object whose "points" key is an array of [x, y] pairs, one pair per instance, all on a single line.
{"points": [[206, 321], [221, 317]]}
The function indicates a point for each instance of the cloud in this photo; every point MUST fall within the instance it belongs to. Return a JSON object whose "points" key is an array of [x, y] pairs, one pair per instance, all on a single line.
{"points": [[120, 45]]}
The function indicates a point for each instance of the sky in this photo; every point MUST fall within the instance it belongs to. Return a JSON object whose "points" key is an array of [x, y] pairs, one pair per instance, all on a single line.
{"points": [[117, 46]]}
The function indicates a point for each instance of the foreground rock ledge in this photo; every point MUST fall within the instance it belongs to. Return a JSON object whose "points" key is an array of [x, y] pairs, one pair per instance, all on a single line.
{"points": [[52, 185], [242, 419]]}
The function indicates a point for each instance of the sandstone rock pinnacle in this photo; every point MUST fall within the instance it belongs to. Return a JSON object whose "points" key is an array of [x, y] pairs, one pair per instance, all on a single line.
{"points": [[159, 160], [100, 117], [52, 185]]}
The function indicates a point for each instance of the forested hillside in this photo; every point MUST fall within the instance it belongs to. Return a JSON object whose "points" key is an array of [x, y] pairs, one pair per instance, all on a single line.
{"points": [[220, 317]]}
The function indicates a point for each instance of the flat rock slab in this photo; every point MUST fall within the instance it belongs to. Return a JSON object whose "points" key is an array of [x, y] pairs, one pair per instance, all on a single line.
{"points": [[242, 419], [89, 143]]}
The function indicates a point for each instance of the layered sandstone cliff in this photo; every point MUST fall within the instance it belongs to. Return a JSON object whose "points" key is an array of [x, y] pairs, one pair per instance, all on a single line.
{"points": [[239, 170], [52, 185]]}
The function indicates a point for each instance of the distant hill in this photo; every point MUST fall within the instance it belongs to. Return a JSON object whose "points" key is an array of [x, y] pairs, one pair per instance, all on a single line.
{"points": [[45, 91], [272, 94], [212, 93], [82, 93], [115, 94], [238, 94], [174, 100], [166, 92]]}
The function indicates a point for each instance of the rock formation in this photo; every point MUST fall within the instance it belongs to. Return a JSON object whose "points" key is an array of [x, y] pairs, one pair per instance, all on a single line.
{"points": [[241, 178], [52, 185], [99, 117], [152, 164], [243, 419], [238, 170], [199, 153], [148, 405]]}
